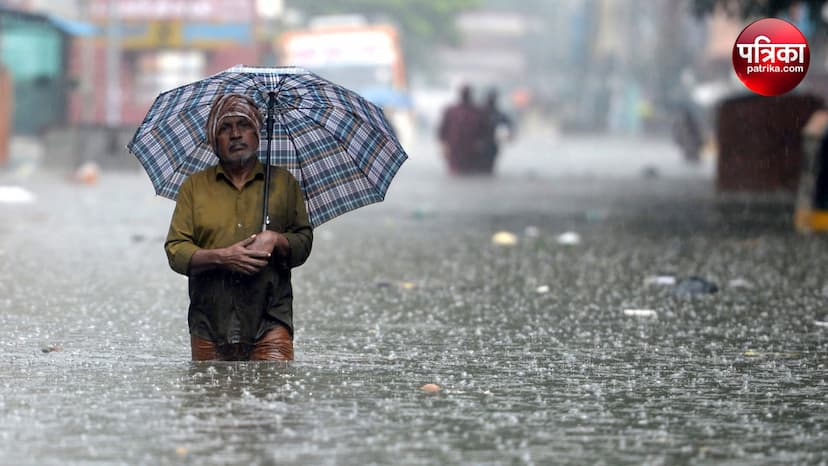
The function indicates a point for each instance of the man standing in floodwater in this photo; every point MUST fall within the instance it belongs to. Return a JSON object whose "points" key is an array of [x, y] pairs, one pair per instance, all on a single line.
{"points": [[462, 132], [241, 298], [496, 122]]}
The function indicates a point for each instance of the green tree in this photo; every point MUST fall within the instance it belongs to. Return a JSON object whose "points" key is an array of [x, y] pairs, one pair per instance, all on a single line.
{"points": [[423, 24], [748, 9], [753, 8]]}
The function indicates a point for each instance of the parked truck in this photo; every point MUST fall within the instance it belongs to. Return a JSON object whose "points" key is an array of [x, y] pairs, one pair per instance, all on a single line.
{"points": [[366, 58]]}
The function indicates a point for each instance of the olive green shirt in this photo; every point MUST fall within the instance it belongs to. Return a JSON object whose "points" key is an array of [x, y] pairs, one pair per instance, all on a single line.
{"points": [[229, 307]]}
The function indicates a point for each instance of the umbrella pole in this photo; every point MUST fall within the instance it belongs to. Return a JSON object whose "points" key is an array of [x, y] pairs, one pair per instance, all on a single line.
{"points": [[271, 104]]}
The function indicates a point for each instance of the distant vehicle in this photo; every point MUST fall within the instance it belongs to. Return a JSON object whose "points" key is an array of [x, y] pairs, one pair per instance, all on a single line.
{"points": [[366, 58]]}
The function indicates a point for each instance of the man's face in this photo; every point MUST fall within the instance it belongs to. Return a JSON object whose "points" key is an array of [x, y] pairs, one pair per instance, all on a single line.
{"points": [[237, 140]]}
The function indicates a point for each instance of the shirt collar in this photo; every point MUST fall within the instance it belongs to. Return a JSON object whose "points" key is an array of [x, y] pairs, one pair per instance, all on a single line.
{"points": [[258, 171]]}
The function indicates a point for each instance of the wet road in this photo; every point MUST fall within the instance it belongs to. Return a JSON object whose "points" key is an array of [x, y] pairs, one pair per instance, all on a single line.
{"points": [[537, 360]]}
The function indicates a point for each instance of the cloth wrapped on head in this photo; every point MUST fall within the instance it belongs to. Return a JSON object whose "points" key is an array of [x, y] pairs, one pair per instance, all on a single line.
{"points": [[229, 105]]}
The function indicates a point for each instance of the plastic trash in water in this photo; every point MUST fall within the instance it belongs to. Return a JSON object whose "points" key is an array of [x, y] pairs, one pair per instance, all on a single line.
{"points": [[87, 173], [660, 280], [504, 238], [740, 283], [531, 231], [570, 238], [596, 215], [694, 286], [423, 211], [543, 289], [15, 195], [650, 172], [640, 313]]}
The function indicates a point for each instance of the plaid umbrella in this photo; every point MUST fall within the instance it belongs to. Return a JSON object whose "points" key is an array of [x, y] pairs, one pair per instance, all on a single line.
{"points": [[338, 145]]}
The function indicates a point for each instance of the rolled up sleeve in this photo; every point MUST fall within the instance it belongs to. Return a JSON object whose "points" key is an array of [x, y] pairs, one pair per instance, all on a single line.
{"points": [[179, 245]]}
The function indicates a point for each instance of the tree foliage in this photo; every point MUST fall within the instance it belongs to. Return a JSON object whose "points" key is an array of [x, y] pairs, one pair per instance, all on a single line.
{"points": [[752, 8]]}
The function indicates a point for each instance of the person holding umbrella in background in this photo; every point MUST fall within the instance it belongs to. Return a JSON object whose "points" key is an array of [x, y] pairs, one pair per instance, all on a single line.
{"points": [[241, 299]]}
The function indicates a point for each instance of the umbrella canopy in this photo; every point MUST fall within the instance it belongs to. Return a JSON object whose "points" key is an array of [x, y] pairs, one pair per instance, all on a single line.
{"points": [[338, 145]]}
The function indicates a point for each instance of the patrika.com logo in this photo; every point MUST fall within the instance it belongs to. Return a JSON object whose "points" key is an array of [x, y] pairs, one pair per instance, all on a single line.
{"points": [[771, 56]]}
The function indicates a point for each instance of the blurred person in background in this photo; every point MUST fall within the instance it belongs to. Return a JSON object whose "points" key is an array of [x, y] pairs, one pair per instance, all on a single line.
{"points": [[241, 298], [499, 127], [687, 135], [462, 132]]}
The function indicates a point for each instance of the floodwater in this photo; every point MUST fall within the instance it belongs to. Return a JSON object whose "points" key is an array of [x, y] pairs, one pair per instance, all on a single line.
{"points": [[537, 360]]}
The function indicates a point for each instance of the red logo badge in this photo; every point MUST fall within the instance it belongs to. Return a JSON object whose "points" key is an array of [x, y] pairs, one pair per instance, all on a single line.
{"points": [[771, 56]]}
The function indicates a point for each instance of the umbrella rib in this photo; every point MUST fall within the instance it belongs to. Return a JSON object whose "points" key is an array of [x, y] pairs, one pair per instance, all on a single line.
{"points": [[335, 104], [295, 152], [342, 144], [328, 102]]}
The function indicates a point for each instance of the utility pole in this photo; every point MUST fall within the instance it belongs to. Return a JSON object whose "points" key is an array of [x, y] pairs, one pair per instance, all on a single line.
{"points": [[87, 58], [113, 65]]}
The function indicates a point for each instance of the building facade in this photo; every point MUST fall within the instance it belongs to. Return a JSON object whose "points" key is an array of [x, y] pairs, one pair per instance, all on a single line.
{"points": [[145, 47]]}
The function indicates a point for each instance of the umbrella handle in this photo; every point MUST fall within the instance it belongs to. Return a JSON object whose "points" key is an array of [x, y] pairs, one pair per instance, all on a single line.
{"points": [[271, 105]]}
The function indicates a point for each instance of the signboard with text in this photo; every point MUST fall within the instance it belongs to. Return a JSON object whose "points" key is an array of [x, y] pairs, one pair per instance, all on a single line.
{"points": [[223, 11]]}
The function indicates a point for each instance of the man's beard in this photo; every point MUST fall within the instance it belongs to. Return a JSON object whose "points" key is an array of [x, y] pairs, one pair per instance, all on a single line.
{"points": [[240, 162]]}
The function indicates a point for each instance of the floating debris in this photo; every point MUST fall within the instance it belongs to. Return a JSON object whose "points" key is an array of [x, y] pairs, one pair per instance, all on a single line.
{"points": [[660, 280], [640, 313], [87, 173], [694, 286], [596, 215], [820, 323], [504, 238], [390, 284], [51, 349], [532, 231], [423, 212], [570, 238], [740, 283], [650, 172], [15, 195], [430, 388], [543, 289], [751, 243]]}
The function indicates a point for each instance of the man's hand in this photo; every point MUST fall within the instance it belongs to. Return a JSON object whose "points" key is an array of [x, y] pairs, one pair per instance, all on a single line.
{"points": [[245, 256], [272, 243], [239, 257]]}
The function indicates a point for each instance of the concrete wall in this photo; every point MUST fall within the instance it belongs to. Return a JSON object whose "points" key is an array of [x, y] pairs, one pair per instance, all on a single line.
{"points": [[67, 148]]}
